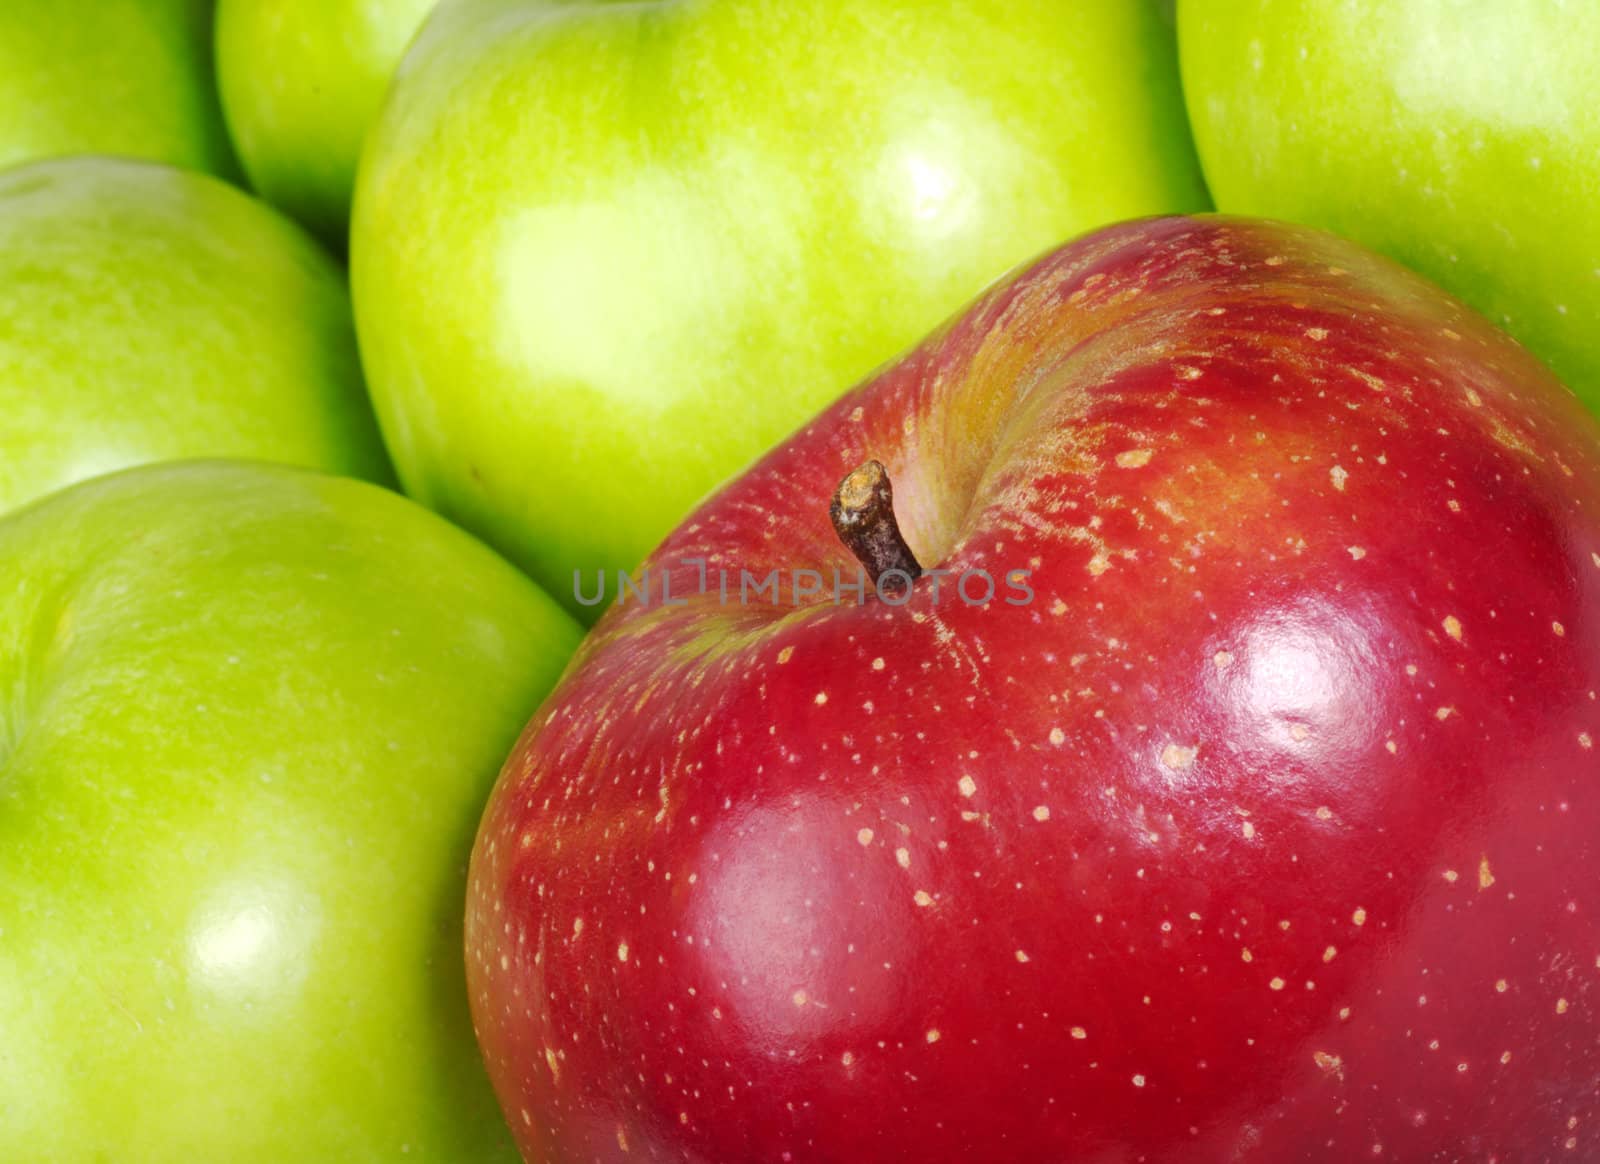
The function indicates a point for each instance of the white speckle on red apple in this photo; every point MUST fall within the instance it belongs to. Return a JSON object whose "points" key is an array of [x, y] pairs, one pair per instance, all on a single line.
{"points": [[1179, 758]]}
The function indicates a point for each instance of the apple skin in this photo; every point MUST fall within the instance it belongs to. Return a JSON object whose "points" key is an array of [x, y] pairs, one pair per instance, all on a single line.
{"points": [[1264, 832], [150, 314], [135, 79], [605, 255], [248, 717], [1462, 139], [301, 80]]}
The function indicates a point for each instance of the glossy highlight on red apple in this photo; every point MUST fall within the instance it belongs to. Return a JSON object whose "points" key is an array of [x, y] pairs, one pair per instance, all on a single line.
{"points": [[1265, 832]]}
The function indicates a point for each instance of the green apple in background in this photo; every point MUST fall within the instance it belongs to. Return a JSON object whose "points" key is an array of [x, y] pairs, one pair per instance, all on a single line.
{"points": [[147, 313], [248, 719], [1459, 136], [301, 80], [128, 77], [604, 254]]}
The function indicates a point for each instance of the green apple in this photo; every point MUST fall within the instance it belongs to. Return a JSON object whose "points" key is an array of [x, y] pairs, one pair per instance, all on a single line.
{"points": [[127, 77], [301, 81], [249, 715], [148, 313], [1462, 138], [604, 254]]}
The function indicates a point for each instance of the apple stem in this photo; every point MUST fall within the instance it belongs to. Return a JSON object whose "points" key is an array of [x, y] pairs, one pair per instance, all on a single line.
{"points": [[862, 512]]}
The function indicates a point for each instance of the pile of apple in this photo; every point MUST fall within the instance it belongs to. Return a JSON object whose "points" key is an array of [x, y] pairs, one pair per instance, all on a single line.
{"points": [[1077, 679]]}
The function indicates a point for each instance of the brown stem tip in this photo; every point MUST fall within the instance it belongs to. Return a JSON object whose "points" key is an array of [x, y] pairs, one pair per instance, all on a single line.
{"points": [[863, 516]]}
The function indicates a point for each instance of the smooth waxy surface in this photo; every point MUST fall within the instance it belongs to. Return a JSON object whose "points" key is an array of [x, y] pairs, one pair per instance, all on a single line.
{"points": [[247, 719], [1262, 829], [150, 314], [125, 77], [301, 81], [1461, 138], [604, 255]]}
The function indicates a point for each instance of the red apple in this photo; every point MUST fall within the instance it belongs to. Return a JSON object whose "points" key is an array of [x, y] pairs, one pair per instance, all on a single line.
{"points": [[1257, 822]]}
